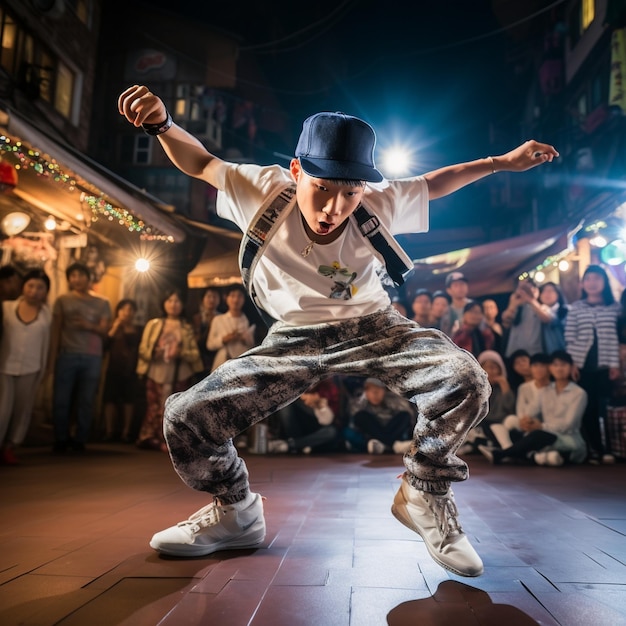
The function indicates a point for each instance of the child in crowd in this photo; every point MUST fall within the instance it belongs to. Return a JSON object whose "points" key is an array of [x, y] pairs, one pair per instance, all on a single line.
{"points": [[318, 276], [381, 420], [553, 428]]}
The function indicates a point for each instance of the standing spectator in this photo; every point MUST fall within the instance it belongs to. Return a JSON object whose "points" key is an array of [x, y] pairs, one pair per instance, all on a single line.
{"points": [[168, 358], [473, 335], [399, 306], [553, 331], [491, 312], [382, 419], [120, 383], [80, 323], [421, 305], [231, 334], [553, 429], [524, 318], [591, 339], [23, 355], [457, 288], [312, 422], [10, 286], [438, 308], [209, 308]]}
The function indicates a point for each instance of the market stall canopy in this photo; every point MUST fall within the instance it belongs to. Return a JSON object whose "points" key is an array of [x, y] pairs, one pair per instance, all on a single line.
{"points": [[218, 264], [493, 267], [79, 192]]}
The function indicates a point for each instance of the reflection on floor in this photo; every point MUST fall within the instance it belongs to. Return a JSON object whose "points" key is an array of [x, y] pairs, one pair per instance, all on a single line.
{"points": [[74, 532]]}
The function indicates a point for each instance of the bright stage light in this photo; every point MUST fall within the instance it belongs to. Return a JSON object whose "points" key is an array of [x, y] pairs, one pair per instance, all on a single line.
{"points": [[142, 265], [396, 161]]}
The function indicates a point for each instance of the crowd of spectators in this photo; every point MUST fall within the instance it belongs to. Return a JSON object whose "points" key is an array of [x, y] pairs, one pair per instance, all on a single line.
{"points": [[556, 369]]}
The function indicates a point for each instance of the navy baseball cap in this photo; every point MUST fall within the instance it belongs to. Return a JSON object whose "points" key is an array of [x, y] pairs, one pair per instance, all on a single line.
{"points": [[338, 146]]}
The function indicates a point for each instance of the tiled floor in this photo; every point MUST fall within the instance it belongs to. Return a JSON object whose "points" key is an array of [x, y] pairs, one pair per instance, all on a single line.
{"points": [[74, 532]]}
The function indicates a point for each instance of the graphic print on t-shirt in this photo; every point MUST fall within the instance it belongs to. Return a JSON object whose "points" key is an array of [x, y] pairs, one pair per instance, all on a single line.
{"points": [[341, 289]]}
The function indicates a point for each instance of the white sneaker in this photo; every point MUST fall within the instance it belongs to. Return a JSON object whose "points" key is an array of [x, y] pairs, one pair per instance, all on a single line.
{"points": [[554, 458], [214, 527], [434, 518], [541, 458], [376, 447], [277, 446], [401, 447], [608, 459], [487, 452]]}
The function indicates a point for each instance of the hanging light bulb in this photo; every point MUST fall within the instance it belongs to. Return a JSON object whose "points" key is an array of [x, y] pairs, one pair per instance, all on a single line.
{"points": [[50, 223], [14, 223]]}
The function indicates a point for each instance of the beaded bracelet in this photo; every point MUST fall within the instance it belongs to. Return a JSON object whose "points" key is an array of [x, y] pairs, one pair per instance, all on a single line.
{"points": [[158, 129]]}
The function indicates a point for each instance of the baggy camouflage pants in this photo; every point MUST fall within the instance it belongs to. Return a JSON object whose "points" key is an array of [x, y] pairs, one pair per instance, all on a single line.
{"points": [[446, 383]]}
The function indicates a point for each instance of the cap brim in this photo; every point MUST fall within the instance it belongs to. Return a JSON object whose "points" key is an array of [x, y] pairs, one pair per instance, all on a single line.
{"points": [[341, 170]]}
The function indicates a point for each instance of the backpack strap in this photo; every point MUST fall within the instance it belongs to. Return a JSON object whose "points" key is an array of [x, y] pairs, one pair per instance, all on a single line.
{"points": [[398, 263], [261, 229]]}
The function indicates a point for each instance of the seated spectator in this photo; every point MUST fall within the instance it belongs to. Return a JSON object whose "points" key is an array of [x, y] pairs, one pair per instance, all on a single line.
{"points": [[381, 421], [519, 364], [312, 422], [553, 430], [525, 401], [501, 402], [438, 308], [420, 306], [473, 335]]}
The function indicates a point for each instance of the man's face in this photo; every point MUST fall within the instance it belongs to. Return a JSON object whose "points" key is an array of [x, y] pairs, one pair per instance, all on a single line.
{"points": [[324, 204], [439, 307], [458, 289], [560, 370], [540, 371], [78, 281], [421, 305]]}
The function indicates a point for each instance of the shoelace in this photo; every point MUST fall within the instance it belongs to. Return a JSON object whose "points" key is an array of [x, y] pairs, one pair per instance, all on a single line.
{"points": [[445, 512], [206, 516]]}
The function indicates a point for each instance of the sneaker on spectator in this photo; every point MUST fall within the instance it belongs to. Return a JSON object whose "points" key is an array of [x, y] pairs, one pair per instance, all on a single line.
{"points": [[376, 447], [487, 452], [608, 459], [307, 450], [540, 458], [402, 447], [434, 518], [215, 527], [554, 458], [277, 446]]}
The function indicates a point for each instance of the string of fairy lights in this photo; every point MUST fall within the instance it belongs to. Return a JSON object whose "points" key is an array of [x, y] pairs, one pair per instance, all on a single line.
{"points": [[29, 158]]}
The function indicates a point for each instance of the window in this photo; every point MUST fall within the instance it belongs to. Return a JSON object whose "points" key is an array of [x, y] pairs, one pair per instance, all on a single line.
{"points": [[588, 14], [38, 72], [136, 149], [187, 105], [581, 16]]}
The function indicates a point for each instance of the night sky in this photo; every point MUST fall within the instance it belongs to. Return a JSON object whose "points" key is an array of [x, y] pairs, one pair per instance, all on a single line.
{"points": [[434, 74]]}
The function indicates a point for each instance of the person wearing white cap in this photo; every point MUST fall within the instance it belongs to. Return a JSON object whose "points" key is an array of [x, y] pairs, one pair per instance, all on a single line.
{"points": [[316, 235]]}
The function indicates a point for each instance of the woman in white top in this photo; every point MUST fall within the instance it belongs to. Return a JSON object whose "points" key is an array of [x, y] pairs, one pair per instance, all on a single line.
{"points": [[23, 353], [230, 333]]}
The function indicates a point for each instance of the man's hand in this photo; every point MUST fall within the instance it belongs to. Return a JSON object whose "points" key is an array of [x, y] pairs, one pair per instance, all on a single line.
{"points": [[140, 106], [530, 154]]}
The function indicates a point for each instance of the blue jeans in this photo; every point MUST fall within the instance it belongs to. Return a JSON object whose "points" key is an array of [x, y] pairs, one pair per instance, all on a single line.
{"points": [[75, 376]]}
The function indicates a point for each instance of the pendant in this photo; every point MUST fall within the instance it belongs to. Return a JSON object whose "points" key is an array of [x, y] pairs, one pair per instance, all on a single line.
{"points": [[307, 250]]}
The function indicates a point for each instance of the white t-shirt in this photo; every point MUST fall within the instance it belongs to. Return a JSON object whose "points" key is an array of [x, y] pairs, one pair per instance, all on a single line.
{"points": [[335, 281]]}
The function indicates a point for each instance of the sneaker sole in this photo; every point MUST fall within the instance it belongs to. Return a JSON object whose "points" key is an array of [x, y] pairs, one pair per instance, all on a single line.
{"points": [[400, 513], [249, 541]]}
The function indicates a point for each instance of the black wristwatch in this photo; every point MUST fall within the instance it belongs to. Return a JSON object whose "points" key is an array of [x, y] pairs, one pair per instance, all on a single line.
{"points": [[158, 129]]}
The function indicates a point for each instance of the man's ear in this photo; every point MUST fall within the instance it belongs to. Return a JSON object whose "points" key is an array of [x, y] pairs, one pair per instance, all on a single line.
{"points": [[295, 169]]}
